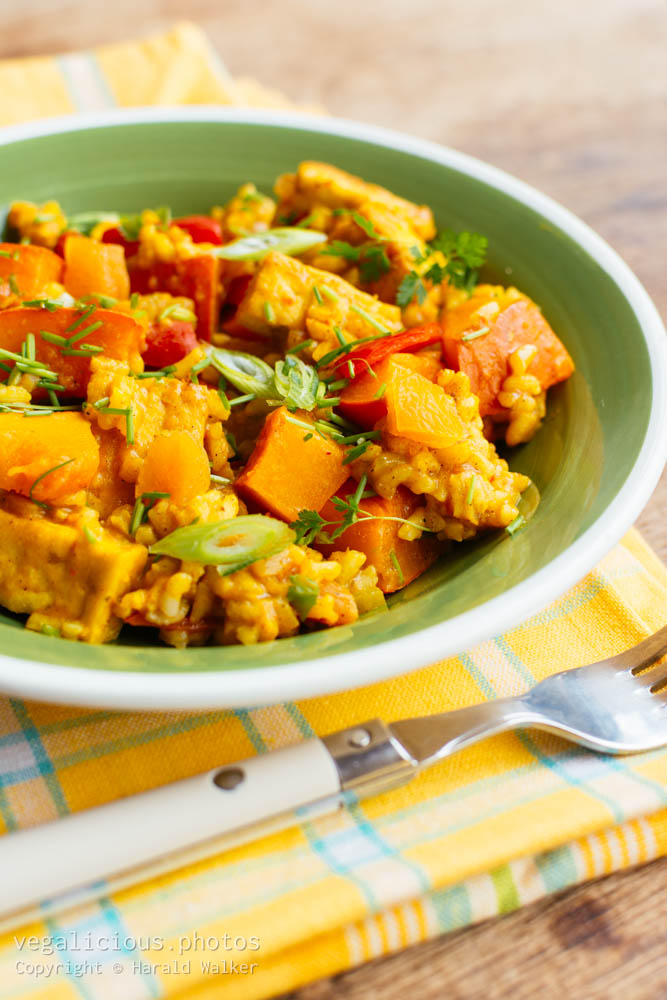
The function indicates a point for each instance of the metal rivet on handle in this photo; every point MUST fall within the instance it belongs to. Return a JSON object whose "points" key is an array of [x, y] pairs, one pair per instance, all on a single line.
{"points": [[229, 778], [359, 738]]}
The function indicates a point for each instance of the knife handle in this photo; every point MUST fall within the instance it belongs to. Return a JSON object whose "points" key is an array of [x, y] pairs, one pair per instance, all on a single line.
{"points": [[116, 839], [42, 862]]}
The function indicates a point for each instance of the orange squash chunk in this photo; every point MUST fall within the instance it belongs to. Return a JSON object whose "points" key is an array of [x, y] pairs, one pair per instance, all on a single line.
{"points": [[379, 540], [485, 360], [31, 446], [287, 474], [32, 268], [421, 411], [120, 337], [176, 464], [94, 268], [360, 402]]}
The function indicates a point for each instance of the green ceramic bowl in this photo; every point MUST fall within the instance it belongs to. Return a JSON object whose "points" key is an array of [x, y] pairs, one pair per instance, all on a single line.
{"points": [[595, 461]]}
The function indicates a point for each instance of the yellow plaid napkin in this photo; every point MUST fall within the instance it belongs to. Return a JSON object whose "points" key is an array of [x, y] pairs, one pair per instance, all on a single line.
{"points": [[498, 825]]}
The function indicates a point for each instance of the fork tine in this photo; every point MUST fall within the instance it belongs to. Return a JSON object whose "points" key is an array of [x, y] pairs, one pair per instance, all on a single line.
{"points": [[645, 652], [654, 676]]}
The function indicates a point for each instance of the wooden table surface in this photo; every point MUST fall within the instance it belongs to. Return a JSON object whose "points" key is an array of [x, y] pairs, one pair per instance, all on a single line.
{"points": [[571, 96]]}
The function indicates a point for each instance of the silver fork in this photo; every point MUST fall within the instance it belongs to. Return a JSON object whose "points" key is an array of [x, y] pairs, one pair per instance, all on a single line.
{"points": [[607, 706]]}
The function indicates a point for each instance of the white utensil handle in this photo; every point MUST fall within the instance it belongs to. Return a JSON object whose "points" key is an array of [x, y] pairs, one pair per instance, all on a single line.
{"points": [[45, 861]]}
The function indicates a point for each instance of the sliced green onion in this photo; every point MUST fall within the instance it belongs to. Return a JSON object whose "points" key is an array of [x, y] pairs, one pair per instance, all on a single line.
{"points": [[231, 545], [302, 594], [285, 240], [219, 480], [245, 372], [178, 312]]}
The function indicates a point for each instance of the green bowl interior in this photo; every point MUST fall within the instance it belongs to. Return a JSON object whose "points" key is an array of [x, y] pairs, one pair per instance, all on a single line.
{"points": [[595, 424]]}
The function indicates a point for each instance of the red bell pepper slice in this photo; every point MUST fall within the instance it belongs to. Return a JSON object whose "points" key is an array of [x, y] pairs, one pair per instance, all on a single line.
{"points": [[356, 362], [115, 235], [202, 228], [167, 343]]}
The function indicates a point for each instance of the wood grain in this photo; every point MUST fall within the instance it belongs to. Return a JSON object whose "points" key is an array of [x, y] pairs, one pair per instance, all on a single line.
{"points": [[572, 97]]}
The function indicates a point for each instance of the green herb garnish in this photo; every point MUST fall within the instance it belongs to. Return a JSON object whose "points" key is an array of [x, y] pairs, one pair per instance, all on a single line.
{"points": [[40, 503], [302, 594]]}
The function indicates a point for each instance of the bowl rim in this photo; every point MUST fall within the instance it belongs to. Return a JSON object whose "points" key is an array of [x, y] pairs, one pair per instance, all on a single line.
{"points": [[235, 688]]}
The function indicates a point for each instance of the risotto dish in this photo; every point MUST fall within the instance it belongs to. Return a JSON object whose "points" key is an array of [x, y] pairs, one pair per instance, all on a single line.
{"points": [[234, 427]]}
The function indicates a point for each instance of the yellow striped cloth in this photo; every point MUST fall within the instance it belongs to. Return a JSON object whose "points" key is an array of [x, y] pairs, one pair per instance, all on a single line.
{"points": [[497, 826]]}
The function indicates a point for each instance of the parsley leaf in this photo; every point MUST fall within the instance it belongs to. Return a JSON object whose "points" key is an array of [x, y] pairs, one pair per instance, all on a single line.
{"points": [[371, 257], [410, 287], [465, 253]]}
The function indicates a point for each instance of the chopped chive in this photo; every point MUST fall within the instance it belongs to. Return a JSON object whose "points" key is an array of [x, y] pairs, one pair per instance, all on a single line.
{"points": [[101, 403], [134, 300], [85, 313], [517, 523], [105, 301], [308, 436], [129, 426], [330, 294], [51, 630], [366, 435], [30, 368], [331, 356], [339, 383], [154, 495], [13, 286], [350, 369], [137, 516], [80, 334], [397, 567], [5, 253], [117, 411], [53, 399], [369, 319], [238, 400], [30, 346], [381, 391], [269, 313], [161, 373], [40, 503], [52, 338], [318, 295], [339, 336], [475, 334], [199, 367], [223, 396], [5, 368], [219, 480], [90, 537], [327, 401], [84, 351], [300, 347], [49, 304], [471, 489]]}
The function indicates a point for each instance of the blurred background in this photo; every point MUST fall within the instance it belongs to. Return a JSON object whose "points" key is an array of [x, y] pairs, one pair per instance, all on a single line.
{"points": [[570, 95]]}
